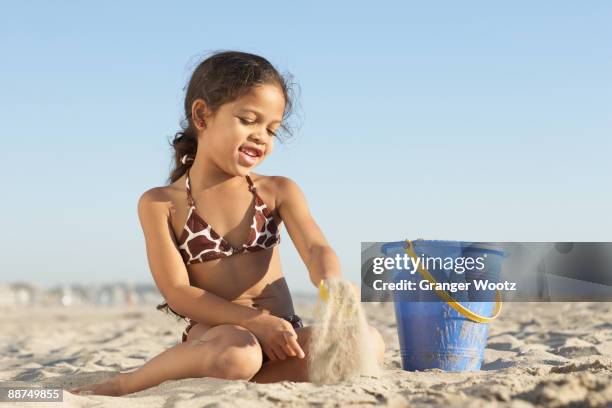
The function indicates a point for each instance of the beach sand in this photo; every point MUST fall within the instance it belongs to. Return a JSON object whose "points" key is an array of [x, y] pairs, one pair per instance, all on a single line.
{"points": [[542, 354]]}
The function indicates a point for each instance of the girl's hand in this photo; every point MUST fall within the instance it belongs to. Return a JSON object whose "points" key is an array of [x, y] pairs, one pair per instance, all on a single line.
{"points": [[276, 336]]}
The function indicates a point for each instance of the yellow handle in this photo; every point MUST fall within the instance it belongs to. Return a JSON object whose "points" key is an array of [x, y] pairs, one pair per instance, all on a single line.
{"points": [[452, 302], [323, 292]]}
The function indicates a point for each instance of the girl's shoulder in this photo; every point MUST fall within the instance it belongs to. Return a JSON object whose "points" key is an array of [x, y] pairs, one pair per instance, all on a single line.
{"points": [[267, 186], [166, 193], [167, 196], [280, 187]]}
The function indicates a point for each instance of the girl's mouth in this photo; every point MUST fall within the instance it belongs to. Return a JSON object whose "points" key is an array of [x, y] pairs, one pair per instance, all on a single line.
{"points": [[247, 158]]}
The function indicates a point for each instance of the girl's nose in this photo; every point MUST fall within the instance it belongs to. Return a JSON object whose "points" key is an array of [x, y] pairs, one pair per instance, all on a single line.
{"points": [[258, 137]]}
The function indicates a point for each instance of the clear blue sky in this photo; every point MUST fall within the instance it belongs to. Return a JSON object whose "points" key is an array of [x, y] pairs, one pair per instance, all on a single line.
{"points": [[443, 120]]}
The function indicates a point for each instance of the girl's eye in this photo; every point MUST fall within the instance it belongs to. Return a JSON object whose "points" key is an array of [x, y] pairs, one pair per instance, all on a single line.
{"points": [[246, 122]]}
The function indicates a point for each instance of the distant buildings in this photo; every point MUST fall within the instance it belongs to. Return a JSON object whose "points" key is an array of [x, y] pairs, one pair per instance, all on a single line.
{"points": [[19, 294], [112, 294]]}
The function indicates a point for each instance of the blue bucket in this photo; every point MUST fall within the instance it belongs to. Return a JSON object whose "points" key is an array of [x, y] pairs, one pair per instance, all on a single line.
{"points": [[437, 330]]}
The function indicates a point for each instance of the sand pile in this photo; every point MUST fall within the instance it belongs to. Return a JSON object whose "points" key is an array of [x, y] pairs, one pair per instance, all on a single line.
{"points": [[341, 346]]}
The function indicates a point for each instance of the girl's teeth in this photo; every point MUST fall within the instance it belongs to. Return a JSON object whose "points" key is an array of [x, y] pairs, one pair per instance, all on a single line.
{"points": [[247, 159]]}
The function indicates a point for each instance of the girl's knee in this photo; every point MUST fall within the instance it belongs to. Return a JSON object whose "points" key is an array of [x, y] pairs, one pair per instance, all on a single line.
{"points": [[235, 363], [239, 355]]}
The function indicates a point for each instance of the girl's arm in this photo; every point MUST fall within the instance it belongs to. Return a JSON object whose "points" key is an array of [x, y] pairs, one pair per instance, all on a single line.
{"points": [[319, 258], [170, 273]]}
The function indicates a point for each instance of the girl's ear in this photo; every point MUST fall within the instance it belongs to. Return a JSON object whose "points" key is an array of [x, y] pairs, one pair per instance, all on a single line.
{"points": [[199, 112]]}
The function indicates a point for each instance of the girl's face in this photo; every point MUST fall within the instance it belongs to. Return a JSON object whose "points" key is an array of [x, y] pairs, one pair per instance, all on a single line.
{"points": [[241, 133]]}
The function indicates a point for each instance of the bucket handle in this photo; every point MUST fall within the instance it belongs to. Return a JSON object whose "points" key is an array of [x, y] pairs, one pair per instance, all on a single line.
{"points": [[452, 302]]}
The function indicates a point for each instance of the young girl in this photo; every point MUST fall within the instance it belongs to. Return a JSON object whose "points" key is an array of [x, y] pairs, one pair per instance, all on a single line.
{"points": [[212, 236]]}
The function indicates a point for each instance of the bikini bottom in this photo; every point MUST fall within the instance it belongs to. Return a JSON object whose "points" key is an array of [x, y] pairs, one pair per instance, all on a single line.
{"points": [[295, 320]]}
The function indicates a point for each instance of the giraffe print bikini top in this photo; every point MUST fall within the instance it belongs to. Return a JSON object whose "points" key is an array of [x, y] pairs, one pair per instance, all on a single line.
{"points": [[200, 243]]}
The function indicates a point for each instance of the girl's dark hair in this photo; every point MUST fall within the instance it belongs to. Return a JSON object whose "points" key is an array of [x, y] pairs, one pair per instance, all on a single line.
{"points": [[222, 78]]}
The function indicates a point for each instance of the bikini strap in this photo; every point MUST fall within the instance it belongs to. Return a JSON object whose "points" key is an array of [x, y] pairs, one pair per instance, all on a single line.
{"points": [[258, 200], [190, 200], [252, 187]]}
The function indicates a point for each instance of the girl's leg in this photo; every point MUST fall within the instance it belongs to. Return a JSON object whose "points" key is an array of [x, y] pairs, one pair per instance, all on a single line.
{"points": [[224, 351], [296, 369]]}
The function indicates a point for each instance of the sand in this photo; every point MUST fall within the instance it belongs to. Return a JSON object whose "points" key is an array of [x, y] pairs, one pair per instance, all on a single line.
{"points": [[341, 346], [541, 354]]}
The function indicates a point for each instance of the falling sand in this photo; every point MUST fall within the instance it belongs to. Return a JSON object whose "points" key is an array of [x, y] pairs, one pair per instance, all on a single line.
{"points": [[341, 346]]}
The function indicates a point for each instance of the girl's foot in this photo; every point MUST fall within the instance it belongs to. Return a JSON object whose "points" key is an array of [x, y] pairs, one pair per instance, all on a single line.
{"points": [[111, 387]]}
